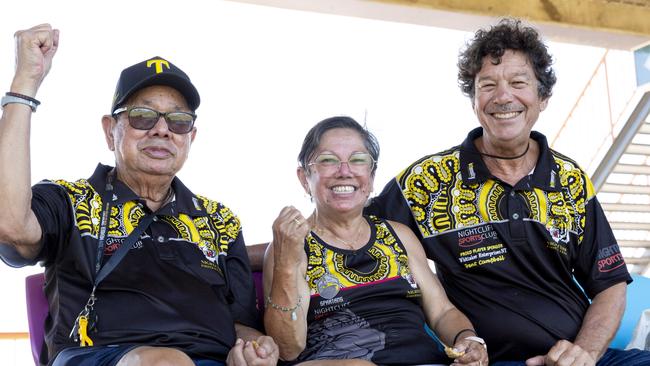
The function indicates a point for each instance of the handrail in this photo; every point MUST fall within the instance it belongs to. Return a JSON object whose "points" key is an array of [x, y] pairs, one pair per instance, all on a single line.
{"points": [[624, 138]]}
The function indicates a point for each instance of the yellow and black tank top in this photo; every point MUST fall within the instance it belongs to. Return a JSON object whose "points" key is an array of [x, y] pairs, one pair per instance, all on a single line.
{"points": [[366, 304]]}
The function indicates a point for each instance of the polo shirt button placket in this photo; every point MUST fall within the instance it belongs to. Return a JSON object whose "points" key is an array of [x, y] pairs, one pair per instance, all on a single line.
{"points": [[516, 225]]}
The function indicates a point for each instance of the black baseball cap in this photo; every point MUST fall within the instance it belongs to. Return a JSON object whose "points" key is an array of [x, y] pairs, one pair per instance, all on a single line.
{"points": [[154, 71]]}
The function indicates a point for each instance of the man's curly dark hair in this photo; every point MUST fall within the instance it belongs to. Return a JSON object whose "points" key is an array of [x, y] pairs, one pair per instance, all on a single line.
{"points": [[508, 34]]}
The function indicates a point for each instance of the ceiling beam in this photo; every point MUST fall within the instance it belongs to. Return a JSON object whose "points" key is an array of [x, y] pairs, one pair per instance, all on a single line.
{"points": [[638, 149], [630, 225], [616, 24], [633, 244], [625, 188], [606, 15], [643, 260], [629, 207], [632, 169]]}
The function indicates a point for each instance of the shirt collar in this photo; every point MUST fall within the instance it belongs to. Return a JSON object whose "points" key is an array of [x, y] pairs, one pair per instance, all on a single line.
{"points": [[474, 171], [184, 200]]}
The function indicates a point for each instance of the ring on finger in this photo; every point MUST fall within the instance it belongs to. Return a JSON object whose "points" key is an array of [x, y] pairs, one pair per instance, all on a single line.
{"points": [[297, 221]]}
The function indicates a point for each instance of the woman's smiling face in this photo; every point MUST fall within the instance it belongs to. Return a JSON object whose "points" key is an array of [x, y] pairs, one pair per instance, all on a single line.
{"points": [[347, 187]]}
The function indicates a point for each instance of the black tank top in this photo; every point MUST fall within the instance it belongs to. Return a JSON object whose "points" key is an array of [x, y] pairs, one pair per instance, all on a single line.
{"points": [[365, 304]]}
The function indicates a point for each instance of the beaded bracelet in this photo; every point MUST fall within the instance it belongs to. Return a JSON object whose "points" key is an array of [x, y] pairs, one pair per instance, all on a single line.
{"points": [[294, 316], [461, 331]]}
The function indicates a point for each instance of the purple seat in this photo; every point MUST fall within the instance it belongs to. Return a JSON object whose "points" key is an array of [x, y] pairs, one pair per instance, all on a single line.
{"points": [[37, 308]]}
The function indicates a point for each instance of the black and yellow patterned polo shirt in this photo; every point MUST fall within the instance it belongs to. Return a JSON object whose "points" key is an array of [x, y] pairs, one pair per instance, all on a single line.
{"points": [[169, 290], [507, 256], [365, 303]]}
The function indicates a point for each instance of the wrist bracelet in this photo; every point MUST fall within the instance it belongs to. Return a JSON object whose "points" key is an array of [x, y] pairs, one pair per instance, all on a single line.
{"points": [[477, 340], [283, 309], [20, 99], [461, 331], [23, 96]]}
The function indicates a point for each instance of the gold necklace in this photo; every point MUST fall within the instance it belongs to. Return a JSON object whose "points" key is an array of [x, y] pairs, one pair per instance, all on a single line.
{"points": [[320, 231]]}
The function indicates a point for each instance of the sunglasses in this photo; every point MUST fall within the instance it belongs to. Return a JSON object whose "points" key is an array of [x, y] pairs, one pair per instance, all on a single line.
{"points": [[142, 118]]}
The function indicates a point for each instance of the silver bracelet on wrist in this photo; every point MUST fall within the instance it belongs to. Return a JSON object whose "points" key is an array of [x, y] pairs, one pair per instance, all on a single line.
{"points": [[477, 340], [20, 99]]}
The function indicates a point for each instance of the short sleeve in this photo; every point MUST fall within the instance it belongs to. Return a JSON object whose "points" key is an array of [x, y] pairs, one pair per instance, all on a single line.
{"points": [[599, 263], [240, 283], [51, 207]]}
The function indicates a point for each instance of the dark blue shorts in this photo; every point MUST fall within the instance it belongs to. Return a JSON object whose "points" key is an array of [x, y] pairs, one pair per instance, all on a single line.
{"points": [[106, 356]]}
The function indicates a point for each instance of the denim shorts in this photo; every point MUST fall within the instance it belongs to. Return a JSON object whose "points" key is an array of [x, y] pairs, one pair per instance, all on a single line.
{"points": [[106, 356]]}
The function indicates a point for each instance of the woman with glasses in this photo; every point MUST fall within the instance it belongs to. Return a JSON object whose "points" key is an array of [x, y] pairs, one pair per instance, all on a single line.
{"points": [[347, 289]]}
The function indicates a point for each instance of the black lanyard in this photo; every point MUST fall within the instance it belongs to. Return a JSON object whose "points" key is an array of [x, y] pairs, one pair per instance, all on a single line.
{"points": [[102, 271], [87, 318], [103, 225]]}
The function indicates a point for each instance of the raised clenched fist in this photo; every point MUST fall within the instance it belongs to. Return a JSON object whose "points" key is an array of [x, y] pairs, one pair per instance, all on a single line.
{"points": [[35, 49]]}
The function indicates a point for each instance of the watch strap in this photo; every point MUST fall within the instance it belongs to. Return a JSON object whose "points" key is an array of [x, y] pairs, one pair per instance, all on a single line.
{"points": [[8, 99]]}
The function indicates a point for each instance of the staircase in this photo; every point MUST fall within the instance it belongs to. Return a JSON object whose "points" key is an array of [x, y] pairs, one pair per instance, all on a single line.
{"points": [[622, 180]]}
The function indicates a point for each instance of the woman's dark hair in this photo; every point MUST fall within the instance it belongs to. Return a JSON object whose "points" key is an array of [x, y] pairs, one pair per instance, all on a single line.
{"points": [[315, 134], [509, 34]]}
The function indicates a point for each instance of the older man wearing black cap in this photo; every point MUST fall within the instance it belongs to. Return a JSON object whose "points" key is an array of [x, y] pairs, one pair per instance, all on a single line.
{"points": [[139, 270]]}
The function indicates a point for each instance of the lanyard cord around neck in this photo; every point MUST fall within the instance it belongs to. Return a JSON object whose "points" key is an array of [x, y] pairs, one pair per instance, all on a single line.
{"points": [[103, 224], [102, 271], [87, 318]]}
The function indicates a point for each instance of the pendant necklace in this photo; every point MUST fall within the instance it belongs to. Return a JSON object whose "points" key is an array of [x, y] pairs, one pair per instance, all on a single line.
{"points": [[320, 231]]}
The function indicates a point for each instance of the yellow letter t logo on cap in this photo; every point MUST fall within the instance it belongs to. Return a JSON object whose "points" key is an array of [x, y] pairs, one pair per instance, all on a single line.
{"points": [[159, 63]]}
